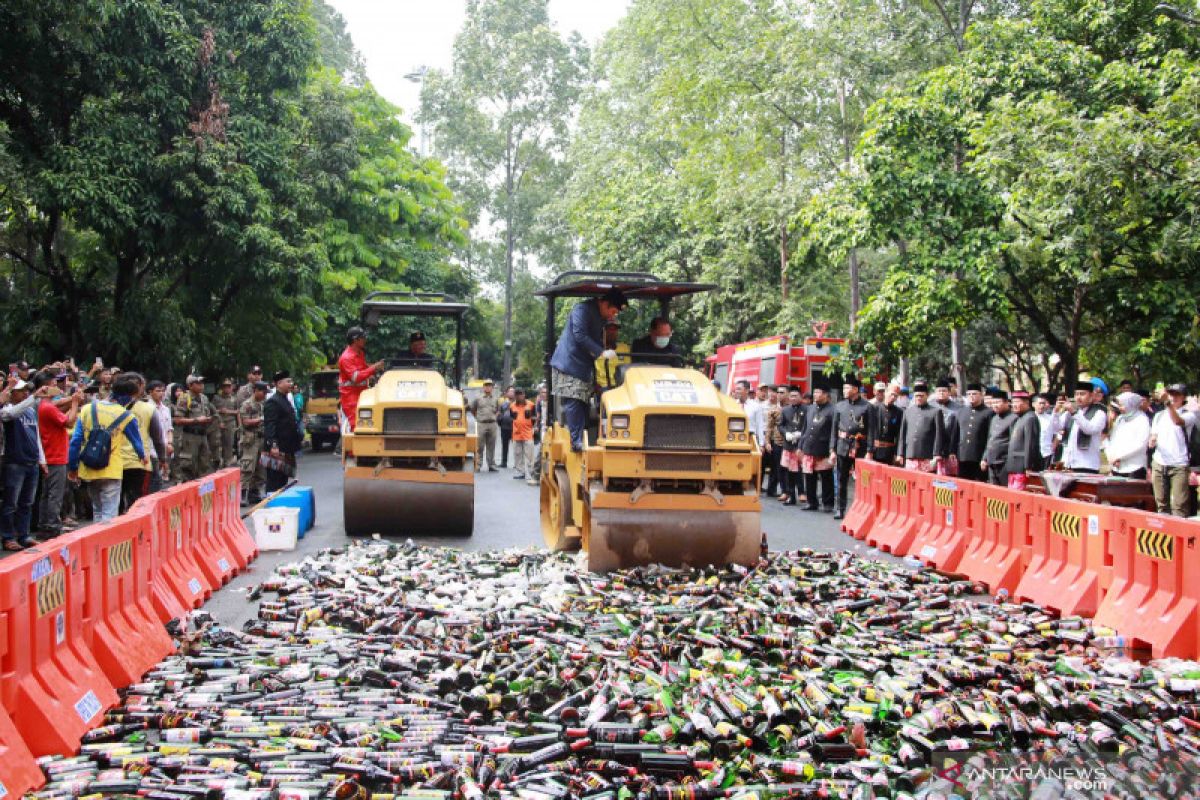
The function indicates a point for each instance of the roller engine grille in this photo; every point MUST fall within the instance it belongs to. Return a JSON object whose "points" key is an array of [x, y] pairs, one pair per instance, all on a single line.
{"points": [[410, 420], [680, 432]]}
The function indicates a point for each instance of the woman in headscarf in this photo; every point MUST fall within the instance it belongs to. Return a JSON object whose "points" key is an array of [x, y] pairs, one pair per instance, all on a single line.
{"points": [[1127, 444]]}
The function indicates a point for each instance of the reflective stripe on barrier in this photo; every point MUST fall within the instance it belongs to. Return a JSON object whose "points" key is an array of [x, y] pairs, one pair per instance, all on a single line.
{"points": [[998, 547], [863, 511], [1156, 580], [19, 773], [120, 624], [229, 518], [1070, 567], [50, 683], [900, 516], [941, 536], [209, 548], [177, 584]]}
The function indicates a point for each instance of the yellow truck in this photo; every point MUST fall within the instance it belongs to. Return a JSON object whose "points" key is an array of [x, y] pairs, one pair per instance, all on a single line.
{"points": [[321, 421]]}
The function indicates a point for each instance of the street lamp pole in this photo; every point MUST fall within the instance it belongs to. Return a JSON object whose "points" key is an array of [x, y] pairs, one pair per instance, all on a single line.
{"points": [[417, 76]]}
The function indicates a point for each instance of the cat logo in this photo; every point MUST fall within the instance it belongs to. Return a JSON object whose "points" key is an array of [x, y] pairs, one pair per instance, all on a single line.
{"points": [[120, 558], [899, 487], [1155, 544], [1065, 525], [51, 592], [998, 510]]}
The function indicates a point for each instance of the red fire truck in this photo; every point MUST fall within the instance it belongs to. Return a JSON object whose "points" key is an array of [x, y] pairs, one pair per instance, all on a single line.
{"points": [[776, 360]]}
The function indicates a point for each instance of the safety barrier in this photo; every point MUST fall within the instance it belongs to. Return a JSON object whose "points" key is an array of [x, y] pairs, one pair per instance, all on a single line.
{"points": [[120, 625], [19, 773], [1070, 567], [212, 552], [229, 518], [998, 548], [941, 537], [900, 514], [178, 584], [867, 501], [50, 682], [1155, 583]]}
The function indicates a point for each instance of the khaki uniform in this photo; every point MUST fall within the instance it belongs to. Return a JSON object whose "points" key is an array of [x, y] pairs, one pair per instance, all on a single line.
{"points": [[192, 445], [253, 474], [244, 393], [227, 425], [487, 417]]}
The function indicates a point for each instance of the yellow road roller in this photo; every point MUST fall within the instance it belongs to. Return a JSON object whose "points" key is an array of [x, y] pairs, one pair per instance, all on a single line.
{"points": [[405, 466], [669, 472]]}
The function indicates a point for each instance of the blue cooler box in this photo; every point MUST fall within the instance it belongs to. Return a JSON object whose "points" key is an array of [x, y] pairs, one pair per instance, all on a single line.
{"points": [[300, 497]]}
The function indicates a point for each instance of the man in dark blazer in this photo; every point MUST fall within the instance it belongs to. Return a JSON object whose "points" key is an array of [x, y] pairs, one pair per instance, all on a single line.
{"points": [[283, 437], [973, 422]]}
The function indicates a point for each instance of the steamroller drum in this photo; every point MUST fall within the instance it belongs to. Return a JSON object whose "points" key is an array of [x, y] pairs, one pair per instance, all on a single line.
{"points": [[407, 508], [622, 538], [556, 511]]}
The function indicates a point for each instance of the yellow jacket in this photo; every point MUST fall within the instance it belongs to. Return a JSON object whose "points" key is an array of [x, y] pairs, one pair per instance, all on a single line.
{"points": [[103, 413], [606, 368], [142, 411]]}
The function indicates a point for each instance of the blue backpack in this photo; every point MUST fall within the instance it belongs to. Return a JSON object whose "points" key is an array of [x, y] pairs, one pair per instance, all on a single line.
{"points": [[98, 448]]}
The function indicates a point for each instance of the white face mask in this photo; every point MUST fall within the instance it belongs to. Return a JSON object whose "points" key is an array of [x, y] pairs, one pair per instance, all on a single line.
{"points": [[661, 341]]}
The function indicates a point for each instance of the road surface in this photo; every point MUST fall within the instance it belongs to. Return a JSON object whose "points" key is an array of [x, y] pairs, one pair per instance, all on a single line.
{"points": [[506, 515]]}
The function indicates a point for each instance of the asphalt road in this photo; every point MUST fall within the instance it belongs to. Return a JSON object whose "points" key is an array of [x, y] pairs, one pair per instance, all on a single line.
{"points": [[506, 515]]}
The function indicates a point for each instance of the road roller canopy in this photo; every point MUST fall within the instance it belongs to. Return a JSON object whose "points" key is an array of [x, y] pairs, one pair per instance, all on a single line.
{"points": [[417, 304], [635, 286]]}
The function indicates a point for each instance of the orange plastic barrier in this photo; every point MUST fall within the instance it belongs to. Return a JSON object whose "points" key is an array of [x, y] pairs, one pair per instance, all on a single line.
{"points": [[229, 518], [19, 773], [50, 683], [1070, 567], [901, 513], [867, 501], [941, 537], [120, 624], [998, 548], [212, 553], [1156, 580], [177, 584]]}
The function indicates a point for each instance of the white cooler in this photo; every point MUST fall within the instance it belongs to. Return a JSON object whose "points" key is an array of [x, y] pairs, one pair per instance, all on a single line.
{"points": [[276, 528]]}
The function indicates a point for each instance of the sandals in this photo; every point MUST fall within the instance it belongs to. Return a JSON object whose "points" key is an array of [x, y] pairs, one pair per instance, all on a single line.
{"points": [[27, 541], [11, 546]]}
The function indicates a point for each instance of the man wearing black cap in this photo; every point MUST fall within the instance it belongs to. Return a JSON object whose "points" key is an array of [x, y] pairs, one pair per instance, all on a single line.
{"points": [[282, 437], [1082, 423], [416, 350], [816, 450], [945, 402], [973, 421], [995, 457], [573, 364], [1170, 433], [1024, 445], [853, 431], [922, 433]]}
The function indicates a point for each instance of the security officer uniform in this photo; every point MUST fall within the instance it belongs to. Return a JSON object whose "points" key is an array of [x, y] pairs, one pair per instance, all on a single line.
{"points": [[195, 457], [227, 409], [250, 418], [486, 409], [853, 430]]}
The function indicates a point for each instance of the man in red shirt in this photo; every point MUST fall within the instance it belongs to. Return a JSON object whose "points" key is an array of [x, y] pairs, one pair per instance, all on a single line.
{"points": [[53, 427], [354, 374]]}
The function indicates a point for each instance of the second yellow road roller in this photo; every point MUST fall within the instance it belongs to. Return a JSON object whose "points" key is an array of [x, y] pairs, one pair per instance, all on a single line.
{"points": [[669, 472], [405, 466]]}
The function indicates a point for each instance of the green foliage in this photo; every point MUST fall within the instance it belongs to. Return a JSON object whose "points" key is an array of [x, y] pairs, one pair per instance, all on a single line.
{"points": [[183, 184]]}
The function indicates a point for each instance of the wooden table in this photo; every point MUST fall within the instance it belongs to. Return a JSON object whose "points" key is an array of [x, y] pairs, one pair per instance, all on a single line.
{"points": [[1102, 489]]}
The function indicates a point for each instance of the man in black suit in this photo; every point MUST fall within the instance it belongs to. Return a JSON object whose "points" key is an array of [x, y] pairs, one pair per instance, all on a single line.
{"points": [[282, 434]]}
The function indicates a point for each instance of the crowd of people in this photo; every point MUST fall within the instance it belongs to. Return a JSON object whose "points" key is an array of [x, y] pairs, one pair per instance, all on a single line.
{"points": [[810, 442], [86, 444]]}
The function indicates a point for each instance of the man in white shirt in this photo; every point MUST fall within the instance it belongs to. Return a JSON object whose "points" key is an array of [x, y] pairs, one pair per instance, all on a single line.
{"points": [[1169, 437], [1082, 424], [756, 419], [1041, 407]]}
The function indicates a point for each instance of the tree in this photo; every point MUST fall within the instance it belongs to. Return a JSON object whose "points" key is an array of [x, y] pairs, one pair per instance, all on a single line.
{"points": [[501, 118]]}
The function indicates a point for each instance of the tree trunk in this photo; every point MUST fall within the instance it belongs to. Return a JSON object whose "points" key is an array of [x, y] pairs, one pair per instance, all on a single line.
{"points": [[783, 233], [855, 298], [506, 376], [957, 368], [847, 153], [902, 378]]}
